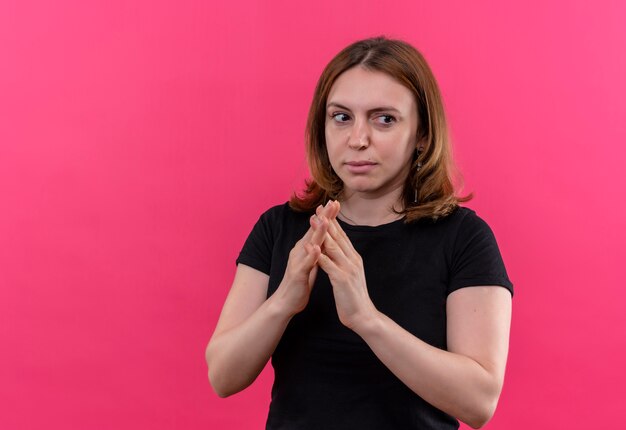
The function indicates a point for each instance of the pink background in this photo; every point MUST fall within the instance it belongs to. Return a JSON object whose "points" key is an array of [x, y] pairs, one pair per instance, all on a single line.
{"points": [[140, 141]]}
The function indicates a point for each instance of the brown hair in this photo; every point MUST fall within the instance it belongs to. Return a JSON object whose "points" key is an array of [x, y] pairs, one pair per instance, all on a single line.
{"points": [[433, 182]]}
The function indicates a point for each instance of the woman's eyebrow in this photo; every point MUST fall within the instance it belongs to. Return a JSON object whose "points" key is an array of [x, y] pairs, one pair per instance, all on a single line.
{"points": [[376, 109], [337, 105]]}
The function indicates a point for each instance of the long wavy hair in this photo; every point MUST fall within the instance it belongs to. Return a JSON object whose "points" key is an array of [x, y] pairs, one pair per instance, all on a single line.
{"points": [[429, 190]]}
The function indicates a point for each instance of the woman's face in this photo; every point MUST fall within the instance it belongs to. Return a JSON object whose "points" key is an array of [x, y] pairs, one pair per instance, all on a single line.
{"points": [[371, 129]]}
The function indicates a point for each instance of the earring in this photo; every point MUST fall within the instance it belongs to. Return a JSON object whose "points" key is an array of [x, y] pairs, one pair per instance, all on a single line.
{"points": [[419, 151]]}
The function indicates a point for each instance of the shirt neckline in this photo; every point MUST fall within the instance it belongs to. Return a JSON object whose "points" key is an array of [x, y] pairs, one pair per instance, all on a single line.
{"points": [[372, 228]]}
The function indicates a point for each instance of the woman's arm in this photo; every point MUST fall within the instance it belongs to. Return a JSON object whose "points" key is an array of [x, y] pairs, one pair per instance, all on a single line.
{"points": [[465, 381], [247, 333], [251, 325]]}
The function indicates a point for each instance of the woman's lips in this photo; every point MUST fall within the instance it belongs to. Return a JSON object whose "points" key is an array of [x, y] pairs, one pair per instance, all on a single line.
{"points": [[360, 166]]}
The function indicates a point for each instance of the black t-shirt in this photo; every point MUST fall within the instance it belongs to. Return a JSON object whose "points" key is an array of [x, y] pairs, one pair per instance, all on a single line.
{"points": [[326, 376]]}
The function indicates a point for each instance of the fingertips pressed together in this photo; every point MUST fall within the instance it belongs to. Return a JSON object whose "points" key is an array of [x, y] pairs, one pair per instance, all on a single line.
{"points": [[319, 226], [325, 215], [328, 235]]}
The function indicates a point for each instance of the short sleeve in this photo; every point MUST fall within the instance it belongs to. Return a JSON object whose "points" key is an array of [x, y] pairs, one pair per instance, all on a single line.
{"points": [[476, 258], [257, 250]]}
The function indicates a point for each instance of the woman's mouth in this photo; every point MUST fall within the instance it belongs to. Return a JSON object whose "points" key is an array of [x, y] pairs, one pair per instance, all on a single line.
{"points": [[360, 166]]}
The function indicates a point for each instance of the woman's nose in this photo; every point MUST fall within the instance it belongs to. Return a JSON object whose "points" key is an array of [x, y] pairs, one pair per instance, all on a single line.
{"points": [[359, 135]]}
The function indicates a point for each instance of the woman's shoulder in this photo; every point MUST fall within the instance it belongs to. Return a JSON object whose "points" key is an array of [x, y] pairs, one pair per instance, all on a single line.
{"points": [[461, 212], [468, 218], [282, 220], [462, 221], [462, 215], [277, 225], [456, 217], [466, 227], [284, 212]]}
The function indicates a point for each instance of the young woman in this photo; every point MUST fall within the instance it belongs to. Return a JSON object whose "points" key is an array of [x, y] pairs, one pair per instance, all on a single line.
{"points": [[382, 303]]}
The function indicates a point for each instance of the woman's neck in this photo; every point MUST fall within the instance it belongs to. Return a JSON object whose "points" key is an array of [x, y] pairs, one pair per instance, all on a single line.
{"points": [[360, 209]]}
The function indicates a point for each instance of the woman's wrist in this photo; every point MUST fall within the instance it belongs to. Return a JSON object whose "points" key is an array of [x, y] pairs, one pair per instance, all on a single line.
{"points": [[282, 305], [366, 322]]}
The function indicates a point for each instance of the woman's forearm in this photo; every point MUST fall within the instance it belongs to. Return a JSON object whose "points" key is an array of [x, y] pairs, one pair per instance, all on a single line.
{"points": [[251, 326], [237, 356], [453, 383]]}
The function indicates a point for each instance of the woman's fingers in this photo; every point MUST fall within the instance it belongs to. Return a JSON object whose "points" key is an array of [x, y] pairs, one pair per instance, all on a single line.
{"points": [[312, 254], [336, 251], [309, 233], [328, 266], [326, 233], [336, 209], [319, 227], [334, 228], [320, 222], [340, 236], [313, 273], [325, 218], [328, 211]]}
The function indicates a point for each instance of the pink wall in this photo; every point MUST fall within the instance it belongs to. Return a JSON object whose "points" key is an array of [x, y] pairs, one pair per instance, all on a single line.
{"points": [[139, 142]]}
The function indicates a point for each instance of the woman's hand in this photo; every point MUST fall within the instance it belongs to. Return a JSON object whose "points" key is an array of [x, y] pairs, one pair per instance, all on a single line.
{"points": [[344, 267], [295, 288]]}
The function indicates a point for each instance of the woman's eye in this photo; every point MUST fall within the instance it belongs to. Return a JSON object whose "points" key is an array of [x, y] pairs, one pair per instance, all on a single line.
{"points": [[341, 117], [386, 119]]}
